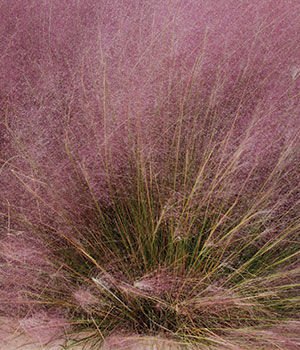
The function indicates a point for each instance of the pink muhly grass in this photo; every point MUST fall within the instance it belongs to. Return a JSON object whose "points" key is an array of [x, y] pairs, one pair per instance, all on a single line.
{"points": [[120, 341], [149, 175], [84, 298], [43, 328], [135, 342]]}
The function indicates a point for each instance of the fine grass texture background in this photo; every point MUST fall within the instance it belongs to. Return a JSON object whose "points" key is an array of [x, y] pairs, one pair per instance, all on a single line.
{"points": [[149, 171]]}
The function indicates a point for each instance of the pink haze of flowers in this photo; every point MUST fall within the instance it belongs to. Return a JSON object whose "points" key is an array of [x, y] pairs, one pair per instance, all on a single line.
{"points": [[81, 80]]}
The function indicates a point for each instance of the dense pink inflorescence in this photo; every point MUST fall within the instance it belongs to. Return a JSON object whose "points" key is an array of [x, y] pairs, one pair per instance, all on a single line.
{"points": [[91, 77], [86, 85], [44, 327]]}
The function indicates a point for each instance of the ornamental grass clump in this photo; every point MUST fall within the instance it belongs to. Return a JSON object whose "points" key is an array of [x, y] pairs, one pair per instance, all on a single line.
{"points": [[150, 172]]}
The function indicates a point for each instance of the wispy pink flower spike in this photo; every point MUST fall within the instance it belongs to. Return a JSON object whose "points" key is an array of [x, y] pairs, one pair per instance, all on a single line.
{"points": [[43, 328]]}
